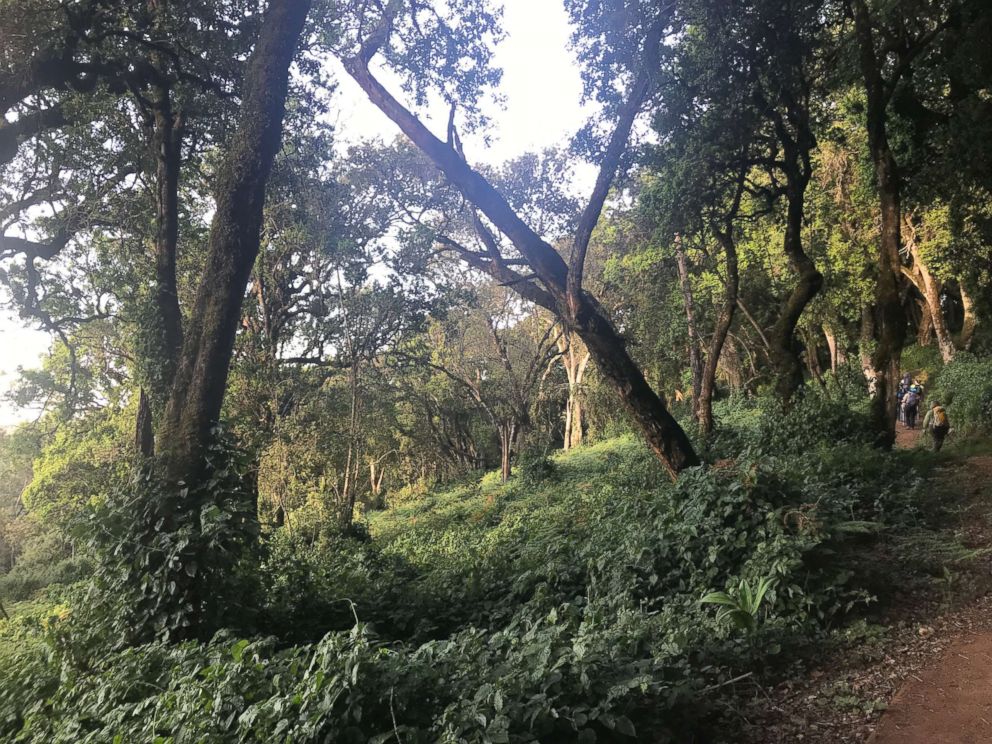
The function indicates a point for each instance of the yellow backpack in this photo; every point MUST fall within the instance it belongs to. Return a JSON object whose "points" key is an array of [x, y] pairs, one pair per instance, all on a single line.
{"points": [[939, 416]]}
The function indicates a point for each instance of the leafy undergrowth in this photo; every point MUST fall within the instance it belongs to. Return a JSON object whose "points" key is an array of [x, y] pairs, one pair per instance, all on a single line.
{"points": [[564, 606]]}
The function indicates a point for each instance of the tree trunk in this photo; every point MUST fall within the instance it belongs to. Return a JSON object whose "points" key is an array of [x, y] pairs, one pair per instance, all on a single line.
{"points": [[645, 408], [695, 347], [144, 435], [812, 358], [930, 287], [838, 357], [865, 348], [167, 141], [720, 331], [351, 458], [730, 366], [197, 394], [784, 351], [567, 435], [508, 432], [575, 362], [890, 320], [924, 331], [970, 318]]}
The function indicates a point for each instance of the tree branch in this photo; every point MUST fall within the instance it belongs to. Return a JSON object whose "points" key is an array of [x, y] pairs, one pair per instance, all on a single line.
{"points": [[545, 261], [609, 166]]}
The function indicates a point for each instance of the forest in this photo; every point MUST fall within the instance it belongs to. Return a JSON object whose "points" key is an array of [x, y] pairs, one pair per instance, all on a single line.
{"points": [[365, 439]]}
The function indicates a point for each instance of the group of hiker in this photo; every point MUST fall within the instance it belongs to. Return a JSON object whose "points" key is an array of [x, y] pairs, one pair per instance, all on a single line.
{"points": [[910, 397]]}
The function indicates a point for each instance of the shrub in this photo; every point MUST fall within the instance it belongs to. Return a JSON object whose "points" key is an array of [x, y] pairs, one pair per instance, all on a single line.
{"points": [[561, 609], [27, 579], [170, 560], [965, 387], [536, 469]]}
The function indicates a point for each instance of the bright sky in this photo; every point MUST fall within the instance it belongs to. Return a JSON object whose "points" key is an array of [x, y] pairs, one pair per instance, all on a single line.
{"points": [[543, 108]]}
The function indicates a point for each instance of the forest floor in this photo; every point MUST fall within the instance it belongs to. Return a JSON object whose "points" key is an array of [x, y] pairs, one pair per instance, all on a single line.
{"points": [[920, 676]]}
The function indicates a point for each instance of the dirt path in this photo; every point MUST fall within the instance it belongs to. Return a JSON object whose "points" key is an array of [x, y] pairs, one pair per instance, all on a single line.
{"points": [[928, 678], [949, 701], [907, 438]]}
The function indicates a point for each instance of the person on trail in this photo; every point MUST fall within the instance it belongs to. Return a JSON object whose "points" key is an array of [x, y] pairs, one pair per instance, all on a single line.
{"points": [[910, 406], [937, 423], [900, 394]]}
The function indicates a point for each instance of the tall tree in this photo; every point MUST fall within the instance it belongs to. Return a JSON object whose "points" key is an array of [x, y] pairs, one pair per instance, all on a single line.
{"points": [[635, 45], [197, 393], [887, 47]]}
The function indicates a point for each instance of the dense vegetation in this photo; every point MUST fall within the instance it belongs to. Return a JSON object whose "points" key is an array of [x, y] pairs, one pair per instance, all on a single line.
{"points": [[361, 442]]}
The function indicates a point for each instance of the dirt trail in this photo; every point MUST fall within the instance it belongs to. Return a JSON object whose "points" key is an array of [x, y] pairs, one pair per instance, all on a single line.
{"points": [[907, 438], [949, 702]]}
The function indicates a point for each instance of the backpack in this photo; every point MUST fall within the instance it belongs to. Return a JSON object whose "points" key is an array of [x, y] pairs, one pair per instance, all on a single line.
{"points": [[912, 399], [939, 417]]}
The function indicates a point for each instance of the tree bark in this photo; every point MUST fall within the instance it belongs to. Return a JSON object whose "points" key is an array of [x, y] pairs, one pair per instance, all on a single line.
{"points": [[506, 451], [865, 347], [837, 355], [695, 350], [144, 435], [723, 323], [784, 352], [575, 362], [645, 408], [197, 394], [924, 331], [167, 143], [931, 288], [812, 357], [970, 317], [890, 320]]}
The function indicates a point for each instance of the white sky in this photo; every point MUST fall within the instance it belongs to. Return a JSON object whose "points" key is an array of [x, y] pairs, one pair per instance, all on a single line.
{"points": [[542, 88]]}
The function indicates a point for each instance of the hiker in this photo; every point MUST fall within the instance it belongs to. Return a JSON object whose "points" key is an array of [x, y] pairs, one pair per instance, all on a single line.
{"points": [[900, 394], [910, 406], [937, 422]]}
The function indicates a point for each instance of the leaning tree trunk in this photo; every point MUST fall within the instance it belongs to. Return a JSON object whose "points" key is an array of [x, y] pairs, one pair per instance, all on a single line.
{"points": [[194, 406], [644, 406], [581, 313]]}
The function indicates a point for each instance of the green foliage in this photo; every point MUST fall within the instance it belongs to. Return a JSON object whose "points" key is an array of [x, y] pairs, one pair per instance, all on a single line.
{"points": [[534, 470], [740, 606], [820, 417], [30, 576], [168, 557], [556, 609], [964, 387], [922, 361]]}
